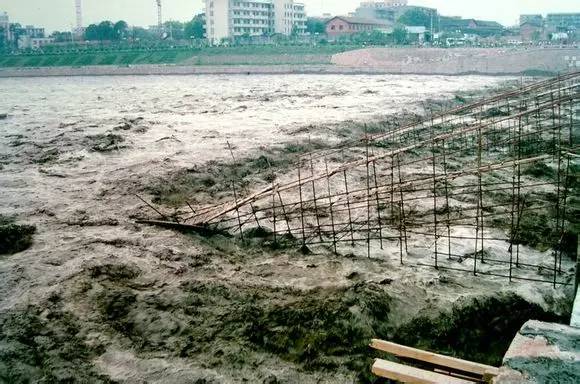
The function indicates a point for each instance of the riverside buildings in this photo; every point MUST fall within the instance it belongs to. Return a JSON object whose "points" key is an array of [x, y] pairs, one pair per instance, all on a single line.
{"points": [[227, 19]]}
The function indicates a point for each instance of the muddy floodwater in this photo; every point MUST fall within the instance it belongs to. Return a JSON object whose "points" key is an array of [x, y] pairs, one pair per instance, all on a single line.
{"points": [[202, 112], [60, 145], [145, 301]]}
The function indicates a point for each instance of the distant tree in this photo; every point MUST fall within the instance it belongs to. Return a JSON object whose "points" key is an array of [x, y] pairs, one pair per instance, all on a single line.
{"points": [[120, 30], [295, 31], [419, 17], [61, 37], [175, 29], [400, 35], [372, 38], [3, 41], [106, 30], [138, 33], [195, 28], [315, 26], [92, 32], [16, 31], [246, 38], [536, 36]]}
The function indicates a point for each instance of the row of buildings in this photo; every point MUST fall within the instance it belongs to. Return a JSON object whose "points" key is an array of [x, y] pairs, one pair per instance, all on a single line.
{"points": [[14, 35], [555, 26], [388, 11], [234, 19], [385, 15], [231, 19]]}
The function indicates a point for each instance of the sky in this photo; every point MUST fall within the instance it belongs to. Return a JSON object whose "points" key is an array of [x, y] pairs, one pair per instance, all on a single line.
{"points": [[60, 14]]}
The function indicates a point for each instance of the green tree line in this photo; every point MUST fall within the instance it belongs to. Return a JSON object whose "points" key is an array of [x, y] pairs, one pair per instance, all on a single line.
{"points": [[109, 31]]}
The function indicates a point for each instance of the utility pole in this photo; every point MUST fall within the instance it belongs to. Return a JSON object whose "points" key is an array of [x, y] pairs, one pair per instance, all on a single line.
{"points": [[79, 19], [159, 15], [432, 28], [79, 14]]}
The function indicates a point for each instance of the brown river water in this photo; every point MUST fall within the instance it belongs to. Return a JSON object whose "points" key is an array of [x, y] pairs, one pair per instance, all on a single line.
{"points": [[49, 175], [54, 175]]}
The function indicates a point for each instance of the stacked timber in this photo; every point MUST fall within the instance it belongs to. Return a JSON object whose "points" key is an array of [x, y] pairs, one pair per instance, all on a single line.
{"points": [[440, 368]]}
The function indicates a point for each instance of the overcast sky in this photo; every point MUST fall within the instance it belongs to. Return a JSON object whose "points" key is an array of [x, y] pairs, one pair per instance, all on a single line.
{"points": [[60, 15]]}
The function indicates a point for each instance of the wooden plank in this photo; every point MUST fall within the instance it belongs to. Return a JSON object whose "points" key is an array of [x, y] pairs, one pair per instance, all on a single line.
{"points": [[406, 374], [433, 358], [203, 230], [466, 376], [577, 279]]}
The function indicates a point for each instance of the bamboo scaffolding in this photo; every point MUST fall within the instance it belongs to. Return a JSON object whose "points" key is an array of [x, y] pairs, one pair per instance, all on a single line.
{"points": [[454, 180]]}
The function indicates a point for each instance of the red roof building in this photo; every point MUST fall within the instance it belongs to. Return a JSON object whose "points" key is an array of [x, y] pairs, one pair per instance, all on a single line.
{"points": [[342, 25]]}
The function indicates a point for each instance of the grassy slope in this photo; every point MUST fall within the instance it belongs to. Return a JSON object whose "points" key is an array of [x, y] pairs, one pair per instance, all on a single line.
{"points": [[97, 58], [266, 55]]}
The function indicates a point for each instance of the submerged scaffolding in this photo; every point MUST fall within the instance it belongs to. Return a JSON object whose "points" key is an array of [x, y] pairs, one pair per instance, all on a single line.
{"points": [[457, 190]]}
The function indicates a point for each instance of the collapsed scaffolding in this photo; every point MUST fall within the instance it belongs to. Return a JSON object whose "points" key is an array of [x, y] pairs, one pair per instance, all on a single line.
{"points": [[453, 191]]}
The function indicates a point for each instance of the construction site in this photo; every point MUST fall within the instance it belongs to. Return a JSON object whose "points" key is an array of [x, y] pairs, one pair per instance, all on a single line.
{"points": [[461, 190], [487, 189], [436, 243]]}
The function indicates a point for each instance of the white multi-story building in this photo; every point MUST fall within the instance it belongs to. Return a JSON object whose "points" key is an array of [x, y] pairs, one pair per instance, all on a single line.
{"points": [[234, 18]]}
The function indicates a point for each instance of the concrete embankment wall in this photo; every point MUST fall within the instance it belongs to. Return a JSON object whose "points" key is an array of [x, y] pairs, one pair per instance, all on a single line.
{"points": [[110, 70], [492, 61]]}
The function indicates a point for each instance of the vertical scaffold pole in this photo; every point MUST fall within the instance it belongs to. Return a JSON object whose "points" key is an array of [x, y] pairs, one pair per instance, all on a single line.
{"points": [[330, 206], [433, 144], [348, 208], [303, 228], [236, 195], [368, 181], [448, 208]]}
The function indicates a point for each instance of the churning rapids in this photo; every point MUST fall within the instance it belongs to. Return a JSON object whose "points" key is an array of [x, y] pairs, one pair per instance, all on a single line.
{"points": [[54, 144], [73, 151]]}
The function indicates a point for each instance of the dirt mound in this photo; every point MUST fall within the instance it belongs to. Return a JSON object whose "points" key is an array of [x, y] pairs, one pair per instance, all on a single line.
{"points": [[459, 60]]}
